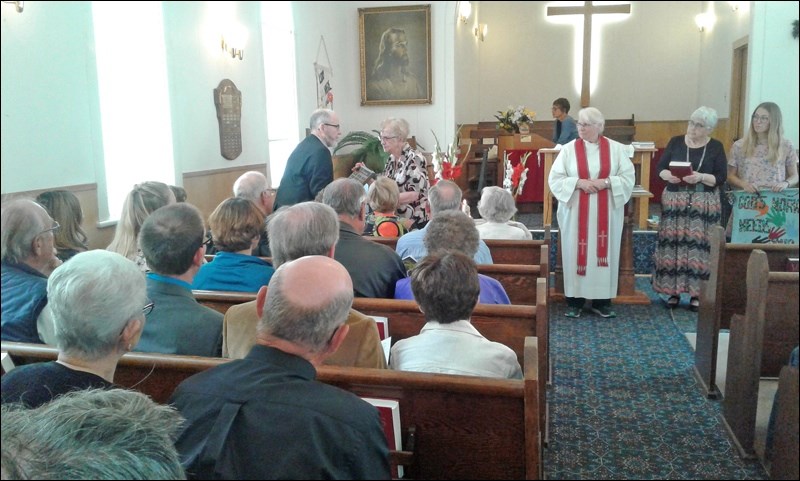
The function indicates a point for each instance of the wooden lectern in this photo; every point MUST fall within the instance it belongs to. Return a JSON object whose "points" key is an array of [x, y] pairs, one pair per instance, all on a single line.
{"points": [[641, 162], [626, 284]]}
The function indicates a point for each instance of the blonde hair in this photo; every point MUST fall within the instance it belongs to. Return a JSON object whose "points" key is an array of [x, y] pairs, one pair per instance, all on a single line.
{"points": [[774, 134], [383, 195], [142, 201], [65, 208]]}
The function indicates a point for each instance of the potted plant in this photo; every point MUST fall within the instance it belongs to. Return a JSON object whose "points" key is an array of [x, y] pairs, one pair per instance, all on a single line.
{"points": [[368, 150]]}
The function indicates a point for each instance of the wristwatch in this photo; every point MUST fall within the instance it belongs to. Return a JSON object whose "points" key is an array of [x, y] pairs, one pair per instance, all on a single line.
{"points": [[608, 183]]}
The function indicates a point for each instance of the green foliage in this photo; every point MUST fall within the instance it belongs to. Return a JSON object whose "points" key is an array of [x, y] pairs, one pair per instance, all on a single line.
{"points": [[369, 149]]}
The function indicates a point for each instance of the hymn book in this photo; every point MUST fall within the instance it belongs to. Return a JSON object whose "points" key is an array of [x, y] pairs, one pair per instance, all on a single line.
{"points": [[363, 174], [383, 331], [681, 169], [389, 410]]}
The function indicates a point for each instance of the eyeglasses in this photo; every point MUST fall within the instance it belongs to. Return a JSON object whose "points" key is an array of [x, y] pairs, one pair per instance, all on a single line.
{"points": [[761, 118], [385, 138], [335, 126], [581, 125], [55, 227], [207, 243], [697, 125], [148, 308]]}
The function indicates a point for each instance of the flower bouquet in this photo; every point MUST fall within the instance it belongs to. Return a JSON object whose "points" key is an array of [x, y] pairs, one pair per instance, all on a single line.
{"points": [[511, 119], [445, 162], [514, 181]]}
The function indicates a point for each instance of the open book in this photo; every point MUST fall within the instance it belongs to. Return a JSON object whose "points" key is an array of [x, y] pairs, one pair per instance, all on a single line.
{"points": [[389, 410], [680, 169]]}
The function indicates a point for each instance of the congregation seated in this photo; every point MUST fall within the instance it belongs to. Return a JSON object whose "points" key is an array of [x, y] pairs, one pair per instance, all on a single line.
{"points": [[236, 225], [92, 434], [382, 220], [65, 208], [307, 228], [140, 202], [497, 208], [96, 300], [445, 195], [373, 267], [172, 242], [266, 416], [445, 284], [453, 231], [28, 257], [254, 186]]}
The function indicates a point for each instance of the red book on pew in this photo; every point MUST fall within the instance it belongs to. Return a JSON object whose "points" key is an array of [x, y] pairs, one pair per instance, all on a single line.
{"points": [[792, 264], [389, 410]]}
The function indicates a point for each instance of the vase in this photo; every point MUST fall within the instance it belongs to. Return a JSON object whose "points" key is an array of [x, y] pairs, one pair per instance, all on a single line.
{"points": [[524, 128]]}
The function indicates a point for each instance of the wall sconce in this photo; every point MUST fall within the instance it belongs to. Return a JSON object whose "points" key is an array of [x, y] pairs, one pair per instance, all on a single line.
{"points": [[481, 31], [464, 11], [235, 52], [704, 21], [17, 5]]}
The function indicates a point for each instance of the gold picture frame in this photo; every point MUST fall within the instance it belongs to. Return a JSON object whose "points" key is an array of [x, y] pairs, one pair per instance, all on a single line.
{"points": [[395, 44]]}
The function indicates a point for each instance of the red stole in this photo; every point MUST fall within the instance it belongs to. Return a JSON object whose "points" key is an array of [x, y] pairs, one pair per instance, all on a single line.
{"points": [[602, 206]]}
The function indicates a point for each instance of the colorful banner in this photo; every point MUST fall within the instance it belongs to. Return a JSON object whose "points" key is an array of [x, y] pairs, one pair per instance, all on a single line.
{"points": [[324, 88], [766, 217]]}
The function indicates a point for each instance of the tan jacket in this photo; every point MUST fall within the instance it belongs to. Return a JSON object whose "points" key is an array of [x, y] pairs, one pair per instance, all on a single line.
{"points": [[361, 347]]}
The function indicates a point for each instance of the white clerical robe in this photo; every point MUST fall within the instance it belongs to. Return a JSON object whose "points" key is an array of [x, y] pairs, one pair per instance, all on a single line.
{"points": [[599, 282]]}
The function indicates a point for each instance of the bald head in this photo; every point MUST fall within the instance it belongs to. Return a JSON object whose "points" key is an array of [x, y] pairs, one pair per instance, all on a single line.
{"points": [[302, 318]]}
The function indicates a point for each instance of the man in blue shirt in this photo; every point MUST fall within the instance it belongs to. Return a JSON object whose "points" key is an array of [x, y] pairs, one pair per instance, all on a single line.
{"points": [[445, 195], [172, 242], [565, 129]]}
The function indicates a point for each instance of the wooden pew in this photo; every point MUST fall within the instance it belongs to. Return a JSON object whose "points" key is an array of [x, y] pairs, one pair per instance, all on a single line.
{"points": [[503, 251], [725, 294], [507, 324], [760, 344], [518, 280], [463, 427], [785, 448]]}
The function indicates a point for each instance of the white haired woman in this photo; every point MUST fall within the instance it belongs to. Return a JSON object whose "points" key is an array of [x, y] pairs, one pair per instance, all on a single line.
{"points": [[98, 303], [497, 207], [689, 206]]}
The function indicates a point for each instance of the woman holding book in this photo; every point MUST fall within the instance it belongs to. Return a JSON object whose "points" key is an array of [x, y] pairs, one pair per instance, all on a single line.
{"points": [[409, 169], [693, 166]]}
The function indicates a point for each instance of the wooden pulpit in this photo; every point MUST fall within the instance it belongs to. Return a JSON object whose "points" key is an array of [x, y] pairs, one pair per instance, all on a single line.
{"points": [[626, 284], [641, 162]]}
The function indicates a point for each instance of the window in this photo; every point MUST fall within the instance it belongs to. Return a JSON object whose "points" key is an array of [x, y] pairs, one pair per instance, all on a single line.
{"points": [[279, 70], [134, 99]]}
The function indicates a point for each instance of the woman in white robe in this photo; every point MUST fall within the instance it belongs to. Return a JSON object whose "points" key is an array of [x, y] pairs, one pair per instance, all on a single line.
{"points": [[598, 275]]}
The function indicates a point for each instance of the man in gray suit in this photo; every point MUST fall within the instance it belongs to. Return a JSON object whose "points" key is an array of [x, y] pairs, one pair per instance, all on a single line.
{"points": [[172, 242]]}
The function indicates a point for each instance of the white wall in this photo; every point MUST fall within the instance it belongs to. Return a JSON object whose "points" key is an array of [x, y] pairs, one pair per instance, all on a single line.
{"points": [[774, 62], [657, 66]]}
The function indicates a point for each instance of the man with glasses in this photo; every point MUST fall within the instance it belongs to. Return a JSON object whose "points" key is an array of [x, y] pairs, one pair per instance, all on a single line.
{"points": [[98, 301], [310, 166], [28, 257], [172, 240]]}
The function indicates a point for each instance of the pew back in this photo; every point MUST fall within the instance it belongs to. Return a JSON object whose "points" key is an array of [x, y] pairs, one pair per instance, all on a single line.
{"points": [[464, 427], [503, 251], [760, 344], [725, 294]]}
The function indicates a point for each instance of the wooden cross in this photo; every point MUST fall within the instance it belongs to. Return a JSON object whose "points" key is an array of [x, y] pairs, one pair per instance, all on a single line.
{"points": [[587, 10]]}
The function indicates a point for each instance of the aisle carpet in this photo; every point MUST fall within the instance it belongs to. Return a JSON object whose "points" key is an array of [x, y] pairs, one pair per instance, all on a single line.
{"points": [[625, 405]]}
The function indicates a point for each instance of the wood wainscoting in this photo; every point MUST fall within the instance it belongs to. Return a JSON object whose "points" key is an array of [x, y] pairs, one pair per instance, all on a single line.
{"points": [[204, 189]]}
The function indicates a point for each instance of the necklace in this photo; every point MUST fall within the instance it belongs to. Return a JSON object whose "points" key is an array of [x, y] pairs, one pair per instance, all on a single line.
{"points": [[702, 157]]}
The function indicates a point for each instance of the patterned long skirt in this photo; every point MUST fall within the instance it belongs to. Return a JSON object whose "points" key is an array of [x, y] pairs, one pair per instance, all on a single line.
{"points": [[681, 257]]}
